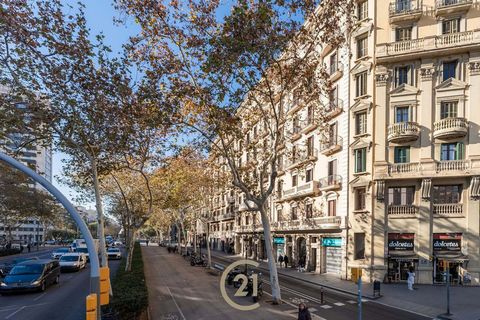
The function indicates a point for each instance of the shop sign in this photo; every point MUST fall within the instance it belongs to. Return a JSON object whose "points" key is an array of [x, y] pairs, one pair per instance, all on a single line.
{"points": [[279, 240], [401, 241], [447, 241], [332, 242]]}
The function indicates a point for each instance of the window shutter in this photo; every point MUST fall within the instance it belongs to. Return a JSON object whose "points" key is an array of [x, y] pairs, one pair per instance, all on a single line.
{"points": [[460, 151], [407, 154]]}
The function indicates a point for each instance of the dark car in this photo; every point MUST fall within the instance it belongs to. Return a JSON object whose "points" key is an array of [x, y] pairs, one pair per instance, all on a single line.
{"points": [[5, 268], [34, 275]]}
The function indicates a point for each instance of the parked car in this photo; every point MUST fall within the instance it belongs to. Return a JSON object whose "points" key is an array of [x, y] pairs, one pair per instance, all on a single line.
{"points": [[5, 268], [57, 253], [73, 261], [34, 275], [83, 250], [50, 242], [114, 253], [118, 244]]}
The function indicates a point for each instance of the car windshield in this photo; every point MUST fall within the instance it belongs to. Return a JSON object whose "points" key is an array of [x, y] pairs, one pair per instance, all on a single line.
{"points": [[20, 260], [83, 250], [27, 269], [69, 258], [62, 250], [113, 250]]}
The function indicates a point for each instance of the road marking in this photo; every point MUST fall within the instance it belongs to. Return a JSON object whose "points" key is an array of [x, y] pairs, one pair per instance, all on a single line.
{"points": [[14, 313], [339, 304], [326, 306], [40, 296], [315, 316], [352, 301], [175, 301]]}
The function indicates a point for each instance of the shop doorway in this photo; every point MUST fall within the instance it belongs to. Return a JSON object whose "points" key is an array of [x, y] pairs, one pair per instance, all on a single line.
{"points": [[313, 260], [301, 251], [398, 269], [452, 266]]}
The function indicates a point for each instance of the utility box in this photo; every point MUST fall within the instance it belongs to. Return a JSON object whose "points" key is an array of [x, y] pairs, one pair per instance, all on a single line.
{"points": [[376, 288], [356, 273], [91, 303]]}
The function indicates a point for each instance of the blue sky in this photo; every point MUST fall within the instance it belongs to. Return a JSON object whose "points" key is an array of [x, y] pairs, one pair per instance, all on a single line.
{"points": [[100, 14]]}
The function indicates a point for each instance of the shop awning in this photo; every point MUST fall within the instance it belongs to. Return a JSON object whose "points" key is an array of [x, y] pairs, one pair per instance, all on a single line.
{"points": [[403, 255], [451, 255]]}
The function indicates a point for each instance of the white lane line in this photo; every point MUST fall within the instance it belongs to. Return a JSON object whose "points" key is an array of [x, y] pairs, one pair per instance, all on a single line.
{"points": [[352, 301], [339, 304], [315, 316], [40, 296], [326, 306], [14, 313], [175, 301]]}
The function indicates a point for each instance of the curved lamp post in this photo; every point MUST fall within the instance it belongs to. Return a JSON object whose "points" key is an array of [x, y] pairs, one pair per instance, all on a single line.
{"points": [[94, 262]]}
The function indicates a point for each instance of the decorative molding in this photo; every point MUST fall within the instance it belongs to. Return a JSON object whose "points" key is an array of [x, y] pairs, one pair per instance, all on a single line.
{"points": [[427, 73], [381, 79], [474, 68]]}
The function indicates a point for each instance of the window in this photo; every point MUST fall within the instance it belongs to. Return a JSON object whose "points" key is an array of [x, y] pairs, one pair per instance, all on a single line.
{"points": [[296, 124], [333, 63], [309, 175], [294, 213], [361, 84], [333, 98], [332, 208], [448, 110], [361, 123], [452, 151], [402, 114], [402, 75], [362, 10], [403, 34], [279, 214], [401, 196], [332, 168], [360, 195], [451, 26], [279, 189], [449, 70], [332, 133], [359, 244], [308, 210], [294, 180], [247, 220], [280, 162], [310, 115], [310, 149], [362, 47], [402, 154], [447, 194], [360, 160]]}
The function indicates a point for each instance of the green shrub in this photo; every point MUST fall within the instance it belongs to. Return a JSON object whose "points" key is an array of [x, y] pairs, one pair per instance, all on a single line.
{"points": [[130, 295]]}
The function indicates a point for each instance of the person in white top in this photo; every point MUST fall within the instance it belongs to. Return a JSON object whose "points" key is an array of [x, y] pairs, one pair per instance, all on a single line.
{"points": [[411, 278]]}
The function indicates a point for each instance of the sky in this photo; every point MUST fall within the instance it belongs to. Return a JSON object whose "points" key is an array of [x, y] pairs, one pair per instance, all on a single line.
{"points": [[100, 14]]}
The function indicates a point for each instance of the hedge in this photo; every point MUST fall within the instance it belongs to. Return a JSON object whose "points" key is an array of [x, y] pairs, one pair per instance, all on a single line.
{"points": [[130, 295], [8, 252]]}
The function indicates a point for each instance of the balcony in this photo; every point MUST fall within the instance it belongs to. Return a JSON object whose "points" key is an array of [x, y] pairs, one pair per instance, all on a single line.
{"points": [[408, 168], [336, 71], [428, 46], [452, 165], [310, 188], [405, 10], [332, 182], [448, 209], [447, 7], [334, 144], [243, 205], [333, 109], [402, 211], [450, 128], [403, 132], [302, 156], [318, 223]]}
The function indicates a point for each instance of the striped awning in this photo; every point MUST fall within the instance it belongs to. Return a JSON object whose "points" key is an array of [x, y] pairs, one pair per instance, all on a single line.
{"points": [[380, 190], [475, 188], [426, 188]]}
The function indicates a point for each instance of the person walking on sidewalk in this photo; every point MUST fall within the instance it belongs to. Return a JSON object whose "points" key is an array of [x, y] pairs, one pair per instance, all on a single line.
{"points": [[28, 247], [411, 278], [303, 313], [280, 260], [285, 260]]}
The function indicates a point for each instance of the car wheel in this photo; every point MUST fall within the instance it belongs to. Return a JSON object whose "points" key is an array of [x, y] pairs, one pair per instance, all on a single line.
{"points": [[57, 280]]}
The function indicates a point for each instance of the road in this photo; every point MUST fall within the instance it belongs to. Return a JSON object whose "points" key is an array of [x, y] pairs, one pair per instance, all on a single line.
{"points": [[65, 301], [179, 293]]}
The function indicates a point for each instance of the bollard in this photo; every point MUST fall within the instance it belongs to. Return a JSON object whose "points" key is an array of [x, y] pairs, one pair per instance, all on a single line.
{"points": [[91, 304], [321, 295]]}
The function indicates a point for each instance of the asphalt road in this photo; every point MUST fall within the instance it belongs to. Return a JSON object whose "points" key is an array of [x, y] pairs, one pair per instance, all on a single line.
{"points": [[65, 301], [335, 306]]}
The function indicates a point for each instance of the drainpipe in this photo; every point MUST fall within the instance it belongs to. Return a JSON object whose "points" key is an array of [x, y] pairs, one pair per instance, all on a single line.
{"points": [[347, 224]]}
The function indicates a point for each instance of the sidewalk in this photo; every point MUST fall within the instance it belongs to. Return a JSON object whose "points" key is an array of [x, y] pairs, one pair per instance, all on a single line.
{"points": [[428, 300]]}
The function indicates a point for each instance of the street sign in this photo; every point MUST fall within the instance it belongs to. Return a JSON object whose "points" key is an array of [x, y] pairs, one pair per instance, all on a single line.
{"points": [[332, 242]]}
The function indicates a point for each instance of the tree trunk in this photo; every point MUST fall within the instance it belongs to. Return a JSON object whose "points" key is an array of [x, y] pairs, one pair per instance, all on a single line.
{"points": [[208, 249], [100, 220], [272, 266], [130, 248], [179, 239], [195, 237]]}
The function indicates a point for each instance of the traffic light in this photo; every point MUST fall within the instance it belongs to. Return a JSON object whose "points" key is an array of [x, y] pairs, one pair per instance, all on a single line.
{"points": [[91, 307], [104, 286]]}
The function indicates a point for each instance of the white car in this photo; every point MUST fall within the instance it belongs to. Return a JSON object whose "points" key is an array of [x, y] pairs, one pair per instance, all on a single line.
{"points": [[57, 253], [114, 253], [73, 261]]}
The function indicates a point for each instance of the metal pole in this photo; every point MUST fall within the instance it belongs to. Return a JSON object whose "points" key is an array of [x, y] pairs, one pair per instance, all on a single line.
{"points": [[94, 262], [360, 298], [448, 293]]}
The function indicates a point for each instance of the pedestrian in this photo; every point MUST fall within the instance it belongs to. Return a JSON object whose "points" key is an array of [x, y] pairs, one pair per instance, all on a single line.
{"points": [[280, 260], [28, 247], [303, 313], [147, 243], [285, 260], [411, 278]]}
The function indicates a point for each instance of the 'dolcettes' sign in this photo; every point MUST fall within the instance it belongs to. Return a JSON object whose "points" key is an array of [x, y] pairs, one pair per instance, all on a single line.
{"points": [[447, 241], [401, 241]]}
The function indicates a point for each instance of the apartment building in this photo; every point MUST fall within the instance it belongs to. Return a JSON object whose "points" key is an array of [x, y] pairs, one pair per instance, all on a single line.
{"points": [[425, 209]]}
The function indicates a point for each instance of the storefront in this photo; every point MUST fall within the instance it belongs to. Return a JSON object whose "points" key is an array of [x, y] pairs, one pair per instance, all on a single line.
{"points": [[448, 257], [278, 246], [401, 256], [332, 254]]}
